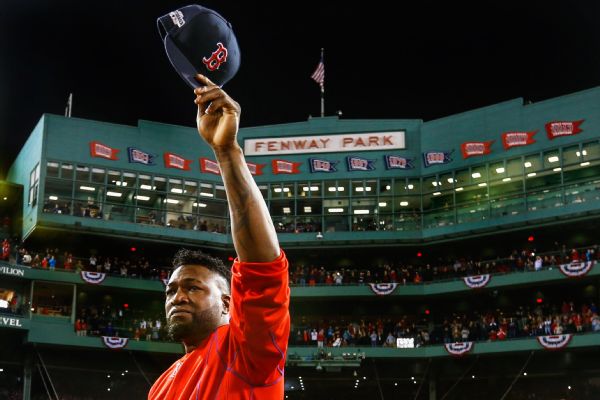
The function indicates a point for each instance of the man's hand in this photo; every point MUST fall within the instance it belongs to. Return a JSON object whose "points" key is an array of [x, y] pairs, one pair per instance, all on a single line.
{"points": [[218, 115]]}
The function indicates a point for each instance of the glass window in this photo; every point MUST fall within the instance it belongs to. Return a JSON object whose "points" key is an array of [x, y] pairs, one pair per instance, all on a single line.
{"points": [[207, 191], [385, 187], [52, 169], [358, 188], [532, 165], [58, 196], [83, 173], [514, 167], [311, 189], [52, 299], [190, 188], [34, 180], [264, 190], [479, 174], [497, 171], [98, 175], [160, 184], [462, 178], [129, 179], [66, 171], [552, 160], [431, 184], [571, 155], [590, 151]]}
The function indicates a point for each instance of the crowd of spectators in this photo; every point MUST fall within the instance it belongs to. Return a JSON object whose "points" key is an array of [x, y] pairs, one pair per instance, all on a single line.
{"points": [[402, 273], [120, 322], [479, 326], [138, 266]]}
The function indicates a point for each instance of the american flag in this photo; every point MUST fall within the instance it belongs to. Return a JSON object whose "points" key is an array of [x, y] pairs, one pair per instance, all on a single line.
{"points": [[319, 74]]}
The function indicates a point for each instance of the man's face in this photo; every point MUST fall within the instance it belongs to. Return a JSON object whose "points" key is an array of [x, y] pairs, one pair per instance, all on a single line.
{"points": [[196, 302]]}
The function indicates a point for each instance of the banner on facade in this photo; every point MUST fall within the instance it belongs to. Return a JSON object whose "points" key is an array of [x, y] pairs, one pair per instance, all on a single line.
{"points": [[114, 343], [477, 281], [554, 342], [396, 162], [555, 129], [209, 166], [321, 165], [285, 167], [436, 157], [255, 169], [139, 156], [516, 139], [98, 149], [471, 149], [459, 348], [175, 161], [95, 278], [383, 289], [360, 164], [576, 269]]}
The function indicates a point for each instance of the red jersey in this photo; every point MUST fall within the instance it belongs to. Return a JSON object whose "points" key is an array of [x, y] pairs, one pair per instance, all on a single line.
{"points": [[244, 359]]}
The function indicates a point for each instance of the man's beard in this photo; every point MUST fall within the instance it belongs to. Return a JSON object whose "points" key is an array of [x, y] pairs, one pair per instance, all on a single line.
{"points": [[199, 327]]}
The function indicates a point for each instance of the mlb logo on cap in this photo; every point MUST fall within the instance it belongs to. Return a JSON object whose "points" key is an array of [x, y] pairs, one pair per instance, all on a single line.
{"points": [[200, 41]]}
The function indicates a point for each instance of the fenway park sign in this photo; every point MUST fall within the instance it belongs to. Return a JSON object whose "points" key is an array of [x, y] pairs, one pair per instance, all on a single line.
{"points": [[324, 143]]}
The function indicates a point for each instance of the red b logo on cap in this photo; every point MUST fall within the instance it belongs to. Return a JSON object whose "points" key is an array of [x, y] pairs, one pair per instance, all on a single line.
{"points": [[218, 57]]}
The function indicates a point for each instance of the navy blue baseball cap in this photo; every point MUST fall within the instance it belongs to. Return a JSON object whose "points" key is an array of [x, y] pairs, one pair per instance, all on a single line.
{"points": [[200, 41]]}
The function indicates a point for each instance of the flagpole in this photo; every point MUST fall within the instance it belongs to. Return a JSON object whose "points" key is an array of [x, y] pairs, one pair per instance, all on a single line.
{"points": [[322, 89]]}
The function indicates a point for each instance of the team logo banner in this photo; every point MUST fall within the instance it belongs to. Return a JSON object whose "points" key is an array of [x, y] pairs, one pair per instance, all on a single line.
{"points": [[98, 149], [383, 289], [114, 342], [360, 164], [285, 167], [470, 149], [515, 139], [210, 166], [139, 156], [576, 268], [95, 278], [321, 165], [436, 157], [255, 169], [395, 162], [477, 281], [563, 128], [554, 342], [459, 348], [175, 161]]}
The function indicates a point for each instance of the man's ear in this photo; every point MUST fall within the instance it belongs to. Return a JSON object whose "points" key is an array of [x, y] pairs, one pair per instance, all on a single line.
{"points": [[225, 298]]}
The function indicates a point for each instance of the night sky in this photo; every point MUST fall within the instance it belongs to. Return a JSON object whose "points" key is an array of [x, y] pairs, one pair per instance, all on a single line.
{"points": [[392, 59]]}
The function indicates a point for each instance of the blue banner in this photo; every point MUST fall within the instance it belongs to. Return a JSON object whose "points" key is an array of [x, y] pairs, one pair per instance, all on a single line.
{"points": [[395, 162], [360, 164], [139, 156], [436, 157], [321, 165]]}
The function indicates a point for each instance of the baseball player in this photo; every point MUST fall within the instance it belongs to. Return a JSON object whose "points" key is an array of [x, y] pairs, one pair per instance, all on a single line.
{"points": [[234, 324]]}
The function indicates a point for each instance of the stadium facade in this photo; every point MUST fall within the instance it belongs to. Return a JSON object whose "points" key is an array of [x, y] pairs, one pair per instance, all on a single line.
{"points": [[336, 189]]}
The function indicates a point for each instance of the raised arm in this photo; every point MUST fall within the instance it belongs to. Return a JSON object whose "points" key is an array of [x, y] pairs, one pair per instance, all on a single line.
{"points": [[254, 235]]}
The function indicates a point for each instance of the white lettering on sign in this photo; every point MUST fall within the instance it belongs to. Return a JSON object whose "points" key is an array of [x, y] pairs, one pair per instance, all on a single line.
{"points": [[11, 322], [325, 143], [12, 271]]}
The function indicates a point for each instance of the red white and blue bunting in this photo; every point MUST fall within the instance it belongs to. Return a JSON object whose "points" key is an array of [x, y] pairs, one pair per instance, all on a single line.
{"points": [[576, 268], [458, 348], [95, 278], [477, 281], [382, 289], [554, 342], [114, 342]]}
